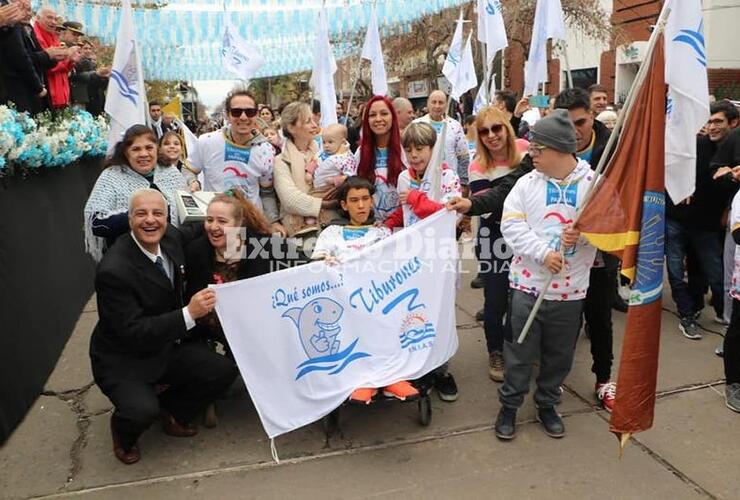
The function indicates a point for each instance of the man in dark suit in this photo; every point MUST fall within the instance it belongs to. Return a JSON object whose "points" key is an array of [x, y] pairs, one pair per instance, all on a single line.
{"points": [[21, 84], [141, 353]]}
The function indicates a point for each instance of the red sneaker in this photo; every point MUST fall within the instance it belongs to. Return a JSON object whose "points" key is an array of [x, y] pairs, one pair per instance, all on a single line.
{"points": [[606, 393], [402, 390], [363, 395]]}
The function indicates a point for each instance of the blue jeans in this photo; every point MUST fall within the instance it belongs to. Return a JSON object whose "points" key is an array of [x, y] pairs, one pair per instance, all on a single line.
{"points": [[706, 246]]}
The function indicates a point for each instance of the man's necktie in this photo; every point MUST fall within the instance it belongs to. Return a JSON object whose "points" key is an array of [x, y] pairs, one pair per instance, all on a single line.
{"points": [[160, 264]]}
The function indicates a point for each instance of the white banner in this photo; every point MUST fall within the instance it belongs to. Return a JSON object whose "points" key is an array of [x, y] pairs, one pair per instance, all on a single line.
{"points": [[304, 338]]}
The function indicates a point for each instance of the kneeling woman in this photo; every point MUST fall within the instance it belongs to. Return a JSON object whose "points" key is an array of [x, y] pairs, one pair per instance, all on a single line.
{"points": [[335, 243], [206, 258]]}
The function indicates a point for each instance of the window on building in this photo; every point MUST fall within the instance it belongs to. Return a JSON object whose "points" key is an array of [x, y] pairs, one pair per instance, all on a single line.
{"points": [[582, 78]]}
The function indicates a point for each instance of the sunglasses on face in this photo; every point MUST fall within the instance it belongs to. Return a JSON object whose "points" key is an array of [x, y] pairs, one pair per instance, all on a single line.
{"points": [[496, 129], [237, 112]]}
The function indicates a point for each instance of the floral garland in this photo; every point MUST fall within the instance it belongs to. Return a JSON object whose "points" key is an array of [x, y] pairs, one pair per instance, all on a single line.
{"points": [[49, 139]]}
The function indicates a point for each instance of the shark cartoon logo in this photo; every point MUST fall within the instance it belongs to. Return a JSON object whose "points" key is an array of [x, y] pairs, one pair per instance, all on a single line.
{"points": [[318, 329], [127, 78]]}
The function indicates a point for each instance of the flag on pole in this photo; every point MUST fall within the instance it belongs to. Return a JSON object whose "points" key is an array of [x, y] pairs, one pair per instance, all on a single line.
{"points": [[324, 67], [454, 55], [386, 315], [239, 57], [491, 29], [481, 99], [688, 94], [459, 68], [126, 97], [548, 23], [626, 217], [373, 51]]}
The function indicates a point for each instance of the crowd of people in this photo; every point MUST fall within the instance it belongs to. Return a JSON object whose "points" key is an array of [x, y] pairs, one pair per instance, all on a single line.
{"points": [[348, 185], [47, 64]]}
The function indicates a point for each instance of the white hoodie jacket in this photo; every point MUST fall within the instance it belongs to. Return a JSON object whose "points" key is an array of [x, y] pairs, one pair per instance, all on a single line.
{"points": [[533, 228]]}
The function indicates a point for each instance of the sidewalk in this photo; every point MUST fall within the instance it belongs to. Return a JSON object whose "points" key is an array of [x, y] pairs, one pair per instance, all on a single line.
{"points": [[63, 447]]}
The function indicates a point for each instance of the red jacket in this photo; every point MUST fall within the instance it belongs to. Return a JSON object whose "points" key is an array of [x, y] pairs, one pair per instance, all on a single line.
{"points": [[57, 77]]}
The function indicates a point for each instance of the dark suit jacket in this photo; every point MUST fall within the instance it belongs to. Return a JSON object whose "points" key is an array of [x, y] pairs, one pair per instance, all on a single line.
{"points": [[21, 82], [140, 311]]}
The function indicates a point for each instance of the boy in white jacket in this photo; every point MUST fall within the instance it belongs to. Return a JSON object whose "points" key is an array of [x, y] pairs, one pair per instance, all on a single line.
{"points": [[537, 225]]}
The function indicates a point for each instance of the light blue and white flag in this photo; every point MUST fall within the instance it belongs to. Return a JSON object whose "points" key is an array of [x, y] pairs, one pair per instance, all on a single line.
{"points": [[491, 29], [454, 54], [459, 68], [239, 57], [322, 331], [688, 94], [125, 100], [324, 67], [548, 23], [373, 51]]}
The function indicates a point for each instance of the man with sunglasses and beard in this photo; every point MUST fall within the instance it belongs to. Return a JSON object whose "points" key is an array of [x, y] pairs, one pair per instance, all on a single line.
{"points": [[238, 156], [591, 139]]}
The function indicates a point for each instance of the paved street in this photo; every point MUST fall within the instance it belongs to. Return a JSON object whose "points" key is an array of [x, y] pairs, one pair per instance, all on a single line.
{"points": [[63, 447]]}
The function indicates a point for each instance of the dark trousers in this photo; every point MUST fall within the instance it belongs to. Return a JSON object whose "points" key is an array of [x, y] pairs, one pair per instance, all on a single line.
{"points": [[550, 343], [597, 311], [706, 245], [732, 346], [195, 376], [495, 259], [495, 301]]}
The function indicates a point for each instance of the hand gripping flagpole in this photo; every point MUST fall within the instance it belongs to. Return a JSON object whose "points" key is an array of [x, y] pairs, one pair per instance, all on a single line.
{"points": [[613, 138]]}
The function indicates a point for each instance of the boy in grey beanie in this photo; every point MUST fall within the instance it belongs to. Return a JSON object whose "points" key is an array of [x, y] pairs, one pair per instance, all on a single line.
{"points": [[537, 225]]}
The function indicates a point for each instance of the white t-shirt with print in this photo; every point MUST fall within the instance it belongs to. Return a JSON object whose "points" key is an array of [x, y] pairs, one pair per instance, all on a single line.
{"points": [[343, 241], [226, 165]]}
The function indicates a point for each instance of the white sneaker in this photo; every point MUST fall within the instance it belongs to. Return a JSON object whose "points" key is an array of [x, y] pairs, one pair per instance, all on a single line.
{"points": [[720, 321]]}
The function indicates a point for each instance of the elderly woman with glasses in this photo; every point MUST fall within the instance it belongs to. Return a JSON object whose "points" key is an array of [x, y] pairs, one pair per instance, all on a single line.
{"points": [[238, 156], [493, 172]]}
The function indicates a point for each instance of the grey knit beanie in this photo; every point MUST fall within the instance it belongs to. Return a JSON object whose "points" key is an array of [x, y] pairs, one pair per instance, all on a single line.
{"points": [[555, 131]]}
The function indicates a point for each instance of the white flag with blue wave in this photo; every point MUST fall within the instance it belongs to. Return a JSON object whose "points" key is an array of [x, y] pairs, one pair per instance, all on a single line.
{"points": [[239, 57], [459, 68], [385, 315], [548, 23], [125, 100], [491, 28], [688, 94]]}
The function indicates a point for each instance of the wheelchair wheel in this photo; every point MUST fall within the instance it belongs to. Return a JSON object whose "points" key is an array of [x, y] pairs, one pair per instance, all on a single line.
{"points": [[425, 410]]}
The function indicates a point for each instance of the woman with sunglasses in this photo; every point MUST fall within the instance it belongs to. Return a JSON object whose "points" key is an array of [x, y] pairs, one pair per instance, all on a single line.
{"points": [[238, 156], [498, 154], [380, 155]]}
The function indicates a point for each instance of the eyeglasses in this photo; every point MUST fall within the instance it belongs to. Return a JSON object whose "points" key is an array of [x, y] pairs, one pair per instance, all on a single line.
{"points": [[496, 129], [535, 150], [237, 112]]}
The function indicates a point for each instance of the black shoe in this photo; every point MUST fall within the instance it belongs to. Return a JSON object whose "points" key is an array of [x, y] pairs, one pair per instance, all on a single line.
{"points": [[551, 421], [505, 427], [446, 387], [619, 304], [479, 315], [477, 282]]}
